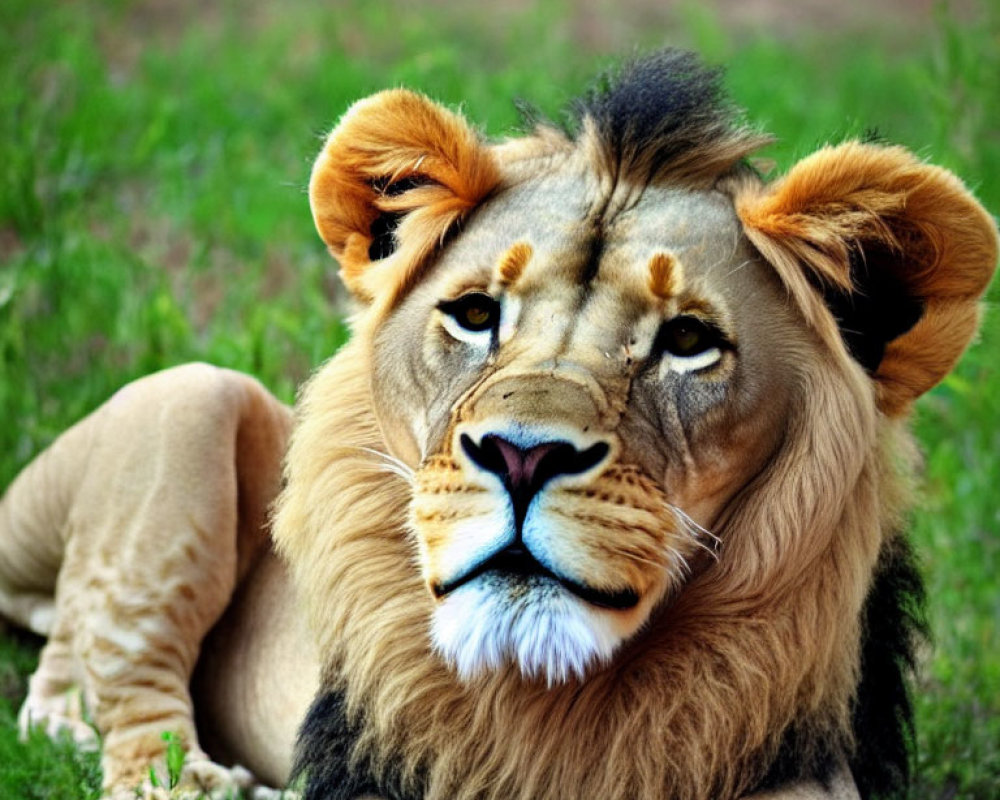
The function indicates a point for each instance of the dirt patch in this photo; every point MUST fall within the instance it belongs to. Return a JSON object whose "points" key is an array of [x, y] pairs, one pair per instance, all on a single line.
{"points": [[618, 25], [598, 25], [10, 244]]}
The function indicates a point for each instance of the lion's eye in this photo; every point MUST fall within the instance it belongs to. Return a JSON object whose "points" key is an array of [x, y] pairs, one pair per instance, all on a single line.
{"points": [[689, 343], [474, 312], [686, 336]]}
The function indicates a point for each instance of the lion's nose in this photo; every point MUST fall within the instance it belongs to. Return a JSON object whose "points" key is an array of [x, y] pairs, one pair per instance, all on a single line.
{"points": [[525, 470]]}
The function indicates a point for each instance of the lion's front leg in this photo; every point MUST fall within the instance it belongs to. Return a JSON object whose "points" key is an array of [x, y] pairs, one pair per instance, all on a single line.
{"points": [[142, 625], [167, 516]]}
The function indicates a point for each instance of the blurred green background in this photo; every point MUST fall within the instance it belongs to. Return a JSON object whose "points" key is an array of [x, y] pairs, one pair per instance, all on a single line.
{"points": [[153, 163]]}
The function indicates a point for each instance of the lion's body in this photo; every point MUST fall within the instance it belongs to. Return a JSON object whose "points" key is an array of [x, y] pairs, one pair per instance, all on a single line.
{"points": [[602, 500]]}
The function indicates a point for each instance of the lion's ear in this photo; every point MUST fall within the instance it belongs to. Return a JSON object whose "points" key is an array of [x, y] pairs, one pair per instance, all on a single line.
{"points": [[898, 251], [394, 175]]}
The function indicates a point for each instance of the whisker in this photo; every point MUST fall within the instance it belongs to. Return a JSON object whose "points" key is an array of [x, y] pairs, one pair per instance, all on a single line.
{"points": [[738, 267], [712, 551], [389, 464], [698, 532], [690, 523], [383, 469], [656, 564], [679, 564]]}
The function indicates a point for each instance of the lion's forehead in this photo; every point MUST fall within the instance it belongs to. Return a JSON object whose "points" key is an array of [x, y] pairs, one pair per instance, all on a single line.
{"points": [[579, 241], [591, 261]]}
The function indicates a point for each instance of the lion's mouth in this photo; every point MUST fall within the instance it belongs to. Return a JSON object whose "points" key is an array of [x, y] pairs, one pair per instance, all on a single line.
{"points": [[518, 562]]}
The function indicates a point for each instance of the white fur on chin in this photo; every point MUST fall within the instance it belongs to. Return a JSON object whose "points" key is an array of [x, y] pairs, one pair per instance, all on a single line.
{"points": [[539, 625]]}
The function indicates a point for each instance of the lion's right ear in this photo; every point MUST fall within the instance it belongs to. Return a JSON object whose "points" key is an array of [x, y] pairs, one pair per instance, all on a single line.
{"points": [[394, 176]]}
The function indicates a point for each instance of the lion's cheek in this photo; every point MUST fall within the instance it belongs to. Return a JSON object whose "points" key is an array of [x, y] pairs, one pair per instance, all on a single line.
{"points": [[456, 521], [615, 539]]}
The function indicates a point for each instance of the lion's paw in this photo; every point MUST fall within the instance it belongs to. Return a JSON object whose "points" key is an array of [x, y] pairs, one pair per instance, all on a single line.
{"points": [[203, 778], [56, 714], [199, 779], [266, 793]]}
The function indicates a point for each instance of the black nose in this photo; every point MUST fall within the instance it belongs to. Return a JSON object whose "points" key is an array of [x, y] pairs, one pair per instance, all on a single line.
{"points": [[524, 471]]}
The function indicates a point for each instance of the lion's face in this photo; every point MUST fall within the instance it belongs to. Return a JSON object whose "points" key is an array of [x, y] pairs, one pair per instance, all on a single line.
{"points": [[580, 397]]}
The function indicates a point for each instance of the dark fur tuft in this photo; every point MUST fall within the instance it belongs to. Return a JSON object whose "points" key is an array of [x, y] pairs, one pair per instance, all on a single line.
{"points": [[662, 110], [802, 755], [324, 756], [894, 625], [667, 101]]}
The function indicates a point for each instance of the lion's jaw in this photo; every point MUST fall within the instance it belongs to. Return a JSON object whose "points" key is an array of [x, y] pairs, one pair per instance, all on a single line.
{"points": [[546, 630]]}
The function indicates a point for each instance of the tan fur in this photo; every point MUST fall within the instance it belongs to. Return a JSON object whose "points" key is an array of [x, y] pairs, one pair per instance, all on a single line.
{"points": [[513, 263], [136, 525], [748, 530], [666, 278]]}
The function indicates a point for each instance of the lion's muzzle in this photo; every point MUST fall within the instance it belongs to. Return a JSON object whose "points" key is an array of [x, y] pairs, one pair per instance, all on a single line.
{"points": [[524, 471], [540, 546]]}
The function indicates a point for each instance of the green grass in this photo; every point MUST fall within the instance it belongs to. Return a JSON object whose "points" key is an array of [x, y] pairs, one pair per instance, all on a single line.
{"points": [[152, 211]]}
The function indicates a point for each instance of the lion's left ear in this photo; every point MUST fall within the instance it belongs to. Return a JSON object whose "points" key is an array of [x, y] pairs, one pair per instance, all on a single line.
{"points": [[898, 251], [394, 175]]}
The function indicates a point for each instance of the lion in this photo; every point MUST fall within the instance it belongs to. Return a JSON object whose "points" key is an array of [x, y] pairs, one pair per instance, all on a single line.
{"points": [[605, 497]]}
